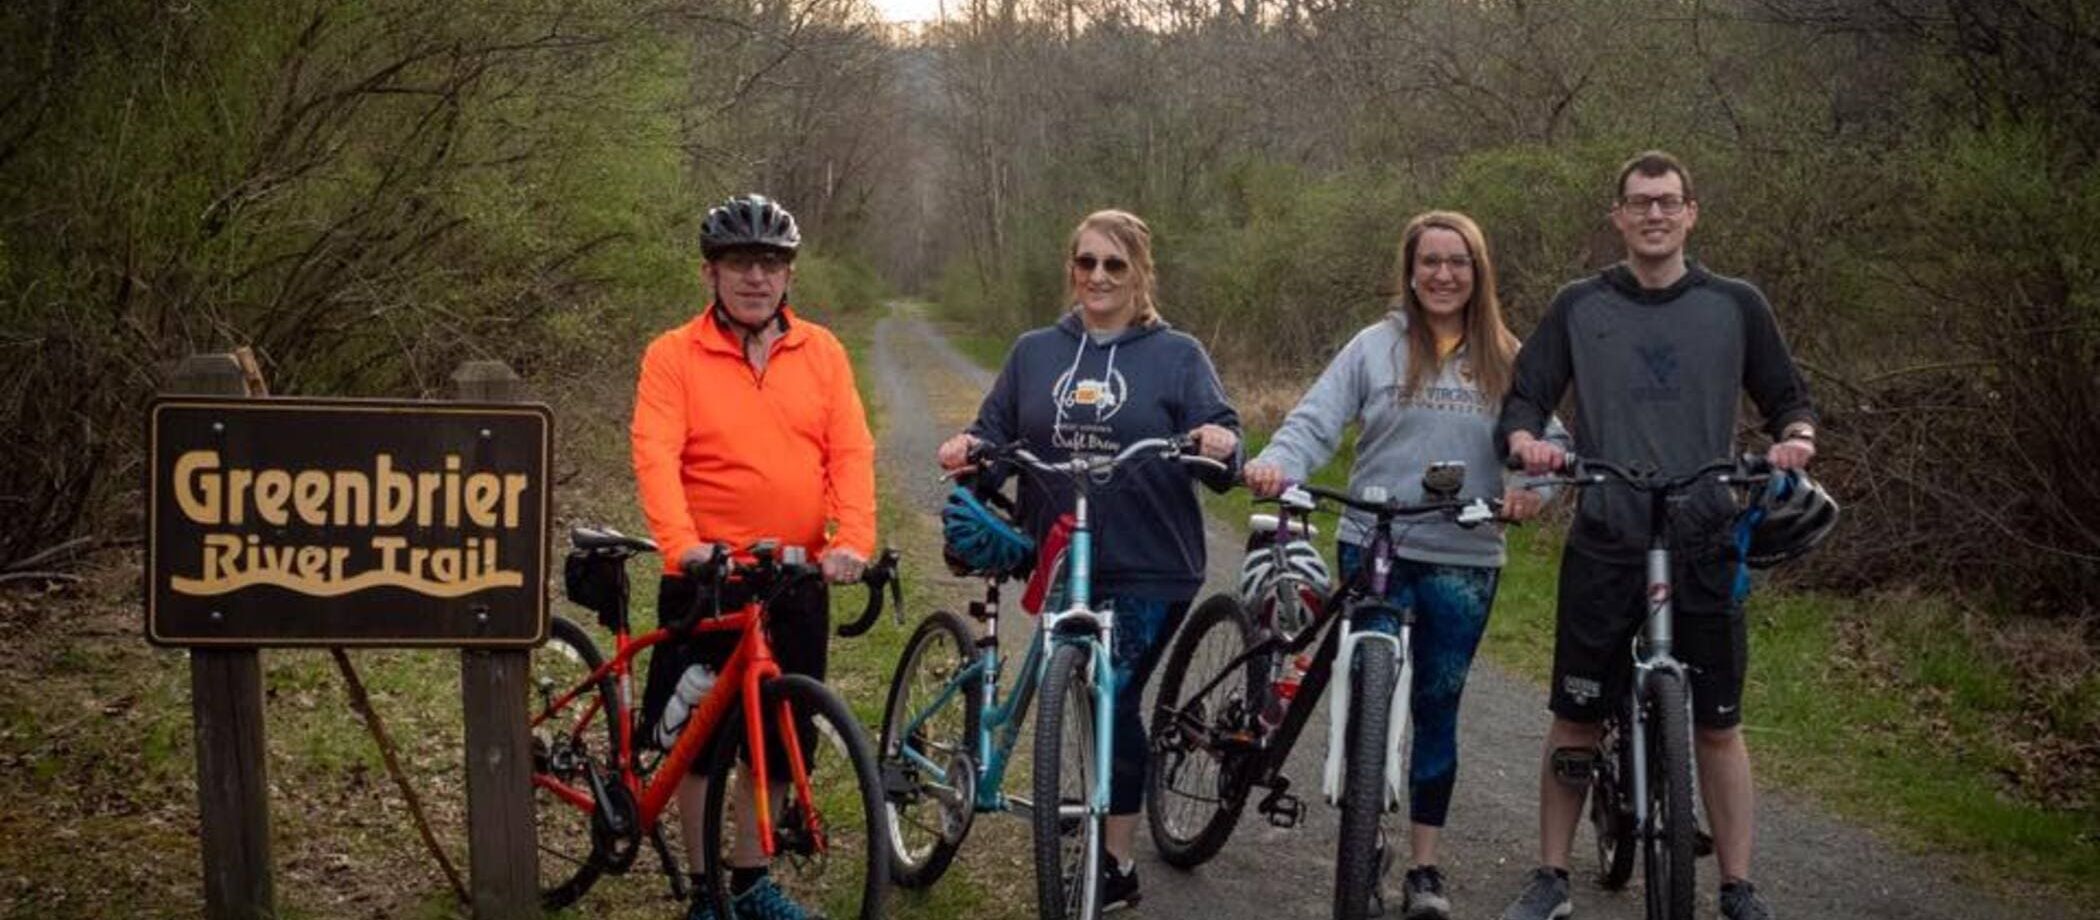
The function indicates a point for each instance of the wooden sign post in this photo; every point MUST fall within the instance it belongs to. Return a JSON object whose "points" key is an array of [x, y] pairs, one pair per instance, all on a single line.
{"points": [[502, 841], [233, 800]]}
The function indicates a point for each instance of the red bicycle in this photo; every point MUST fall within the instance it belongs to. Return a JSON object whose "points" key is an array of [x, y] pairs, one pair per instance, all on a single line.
{"points": [[600, 793]]}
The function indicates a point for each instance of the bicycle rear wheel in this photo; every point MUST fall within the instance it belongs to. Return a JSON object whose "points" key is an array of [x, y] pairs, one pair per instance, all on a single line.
{"points": [[1196, 787], [1360, 860], [831, 853], [1669, 850], [929, 815], [569, 747], [1067, 830], [1611, 807]]}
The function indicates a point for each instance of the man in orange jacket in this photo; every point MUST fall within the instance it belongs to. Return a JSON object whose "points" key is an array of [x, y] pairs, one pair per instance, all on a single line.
{"points": [[747, 426]]}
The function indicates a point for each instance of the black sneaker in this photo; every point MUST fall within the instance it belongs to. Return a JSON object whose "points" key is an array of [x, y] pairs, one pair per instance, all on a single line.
{"points": [[1422, 896], [1119, 884], [1545, 897], [1740, 901]]}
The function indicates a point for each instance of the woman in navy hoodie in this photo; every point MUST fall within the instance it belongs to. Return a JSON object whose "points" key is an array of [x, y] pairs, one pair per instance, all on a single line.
{"points": [[1109, 373]]}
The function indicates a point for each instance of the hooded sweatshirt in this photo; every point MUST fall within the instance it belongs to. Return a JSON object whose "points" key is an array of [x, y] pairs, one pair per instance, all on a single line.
{"points": [[1065, 393], [1447, 419]]}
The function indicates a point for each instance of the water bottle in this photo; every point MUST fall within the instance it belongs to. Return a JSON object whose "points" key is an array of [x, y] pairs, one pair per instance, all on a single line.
{"points": [[1289, 673], [692, 687]]}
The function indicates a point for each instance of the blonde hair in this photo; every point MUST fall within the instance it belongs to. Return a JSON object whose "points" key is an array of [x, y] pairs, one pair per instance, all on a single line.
{"points": [[1130, 232], [1490, 346]]}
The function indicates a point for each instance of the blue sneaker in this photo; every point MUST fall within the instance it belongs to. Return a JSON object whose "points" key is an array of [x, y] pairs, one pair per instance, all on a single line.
{"points": [[702, 909], [765, 901]]}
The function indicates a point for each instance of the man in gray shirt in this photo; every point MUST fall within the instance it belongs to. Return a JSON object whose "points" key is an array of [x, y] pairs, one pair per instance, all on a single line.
{"points": [[1659, 351]]}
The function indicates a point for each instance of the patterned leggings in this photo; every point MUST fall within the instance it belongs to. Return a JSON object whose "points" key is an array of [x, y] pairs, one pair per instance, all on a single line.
{"points": [[1143, 626], [1451, 604]]}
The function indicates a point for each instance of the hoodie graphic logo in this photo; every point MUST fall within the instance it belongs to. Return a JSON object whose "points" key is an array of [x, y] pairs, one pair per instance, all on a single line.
{"points": [[1102, 397]]}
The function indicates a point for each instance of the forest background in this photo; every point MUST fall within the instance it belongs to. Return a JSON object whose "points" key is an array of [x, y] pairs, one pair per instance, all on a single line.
{"points": [[369, 192]]}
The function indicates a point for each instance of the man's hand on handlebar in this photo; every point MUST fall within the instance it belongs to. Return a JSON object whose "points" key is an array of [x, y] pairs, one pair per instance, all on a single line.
{"points": [[697, 556], [843, 566], [1792, 454], [1264, 479], [1538, 457]]}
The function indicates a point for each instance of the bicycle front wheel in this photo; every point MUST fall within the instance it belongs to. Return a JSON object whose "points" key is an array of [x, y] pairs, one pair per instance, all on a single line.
{"points": [[1670, 845], [1195, 786], [929, 780], [1361, 858], [830, 846], [1067, 829], [570, 747]]}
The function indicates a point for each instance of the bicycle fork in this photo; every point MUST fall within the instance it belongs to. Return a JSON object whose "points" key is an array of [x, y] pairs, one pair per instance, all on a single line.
{"points": [[1376, 643]]}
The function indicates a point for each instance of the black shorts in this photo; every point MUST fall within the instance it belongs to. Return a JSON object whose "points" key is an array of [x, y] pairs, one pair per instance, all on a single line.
{"points": [[797, 626], [1602, 607]]}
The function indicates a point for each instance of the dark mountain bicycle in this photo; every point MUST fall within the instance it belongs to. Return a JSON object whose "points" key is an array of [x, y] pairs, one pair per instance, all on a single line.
{"points": [[1238, 688], [599, 794], [1641, 787]]}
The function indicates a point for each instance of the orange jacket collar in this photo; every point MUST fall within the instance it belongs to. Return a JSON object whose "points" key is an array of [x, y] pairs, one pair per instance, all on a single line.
{"points": [[709, 334]]}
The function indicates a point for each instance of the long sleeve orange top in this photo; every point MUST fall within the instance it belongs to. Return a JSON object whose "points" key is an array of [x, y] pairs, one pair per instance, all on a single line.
{"points": [[726, 454]]}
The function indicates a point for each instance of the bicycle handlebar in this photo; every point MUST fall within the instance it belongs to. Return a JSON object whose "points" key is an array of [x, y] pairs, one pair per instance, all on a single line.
{"points": [[774, 569], [1466, 511], [1017, 452], [1747, 469], [882, 573]]}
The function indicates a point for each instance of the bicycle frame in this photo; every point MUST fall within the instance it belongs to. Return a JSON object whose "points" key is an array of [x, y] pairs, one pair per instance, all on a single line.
{"points": [[999, 722], [748, 668], [1334, 627]]}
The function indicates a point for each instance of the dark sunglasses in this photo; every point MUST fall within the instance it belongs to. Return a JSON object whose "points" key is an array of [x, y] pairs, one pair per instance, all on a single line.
{"points": [[1086, 264]]}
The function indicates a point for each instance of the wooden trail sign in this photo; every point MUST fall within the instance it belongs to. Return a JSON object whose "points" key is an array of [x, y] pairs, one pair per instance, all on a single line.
{"points": [[347, 522]]}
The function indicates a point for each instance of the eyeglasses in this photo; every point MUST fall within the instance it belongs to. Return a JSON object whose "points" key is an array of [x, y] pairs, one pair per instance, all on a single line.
{"points": [[770, 262], [1086, 264], [1671, 205], [1427, 265]]}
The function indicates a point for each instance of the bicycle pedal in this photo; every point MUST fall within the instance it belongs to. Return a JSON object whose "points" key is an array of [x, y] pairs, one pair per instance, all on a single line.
{"points": [[1283, 809]]}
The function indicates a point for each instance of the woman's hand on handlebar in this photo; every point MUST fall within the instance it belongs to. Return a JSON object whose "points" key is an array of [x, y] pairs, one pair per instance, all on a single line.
{"points": [[843, 566], [954, 453], [1264, 479], [1214, 441], [1520, 504]]}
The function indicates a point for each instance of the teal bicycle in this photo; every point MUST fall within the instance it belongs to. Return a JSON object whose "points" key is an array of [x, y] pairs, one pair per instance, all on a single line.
{"points": [[948, 734]]}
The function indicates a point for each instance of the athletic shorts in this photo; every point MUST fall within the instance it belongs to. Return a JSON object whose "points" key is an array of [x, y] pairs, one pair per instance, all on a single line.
{"points": [[1603, 606], [798, 627]]}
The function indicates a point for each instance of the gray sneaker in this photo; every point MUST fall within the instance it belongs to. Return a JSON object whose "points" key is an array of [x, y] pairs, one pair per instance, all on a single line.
{"points": [[1740, 901], [1422, 897], [1545, 897]]}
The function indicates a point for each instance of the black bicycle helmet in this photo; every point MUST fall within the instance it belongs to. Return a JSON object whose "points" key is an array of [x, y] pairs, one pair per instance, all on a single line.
{"points": [[748, 221], [1787, 518], [979, 538]]}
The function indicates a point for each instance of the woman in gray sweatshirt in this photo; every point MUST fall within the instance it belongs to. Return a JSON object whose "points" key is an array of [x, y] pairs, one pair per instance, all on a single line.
{"points": [[1426, 383]]}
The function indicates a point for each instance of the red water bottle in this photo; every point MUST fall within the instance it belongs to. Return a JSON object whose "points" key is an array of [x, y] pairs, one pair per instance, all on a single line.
{"points": [[1284, 689]]}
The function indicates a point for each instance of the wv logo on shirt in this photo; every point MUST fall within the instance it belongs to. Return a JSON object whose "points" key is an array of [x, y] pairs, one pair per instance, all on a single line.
{"points": [[1659, 366]]}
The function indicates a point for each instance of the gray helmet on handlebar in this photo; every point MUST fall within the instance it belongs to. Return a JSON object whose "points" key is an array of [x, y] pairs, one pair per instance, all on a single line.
{"points": [[749, 222], [1787, 518]]}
